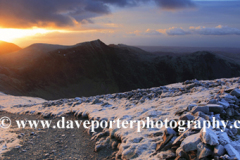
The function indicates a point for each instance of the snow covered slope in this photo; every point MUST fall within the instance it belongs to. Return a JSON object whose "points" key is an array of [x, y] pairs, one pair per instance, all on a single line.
{"points": [[172, 102], [6, 102]]}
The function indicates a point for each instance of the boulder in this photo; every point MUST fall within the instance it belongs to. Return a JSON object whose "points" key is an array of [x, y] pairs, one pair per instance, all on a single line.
{"points": [[219, 150], [180, 152], [212, 101], [204, 109], [209, 137], [230, 112], [180, 138], [224, 103], [187, 117], [235, 92], [190, 143], [129, 152], [169, 144], [201, 114], [166, 154], [232, 133], [233, 130], [168, 134], [236, 146], [232, 152], [169, 131], [223, 139], [228, 96], [203, 151], [190, 107], [215, 108]]}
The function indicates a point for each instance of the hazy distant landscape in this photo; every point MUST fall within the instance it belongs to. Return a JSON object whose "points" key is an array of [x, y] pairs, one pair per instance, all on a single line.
{"points": [[93, 68], [173, 49]]}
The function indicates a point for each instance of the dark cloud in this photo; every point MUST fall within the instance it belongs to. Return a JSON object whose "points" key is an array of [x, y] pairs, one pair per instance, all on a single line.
{"points": [[61, 13], [26, 13], [175, 4], [122, 3], [219, 30]]}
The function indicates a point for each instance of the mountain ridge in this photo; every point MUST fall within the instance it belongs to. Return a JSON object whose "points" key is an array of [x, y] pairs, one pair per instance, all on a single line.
{"points": [[93, 68]]}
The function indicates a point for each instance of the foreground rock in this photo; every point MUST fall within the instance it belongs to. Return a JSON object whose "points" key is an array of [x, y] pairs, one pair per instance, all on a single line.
{"points": [[209, 137]]}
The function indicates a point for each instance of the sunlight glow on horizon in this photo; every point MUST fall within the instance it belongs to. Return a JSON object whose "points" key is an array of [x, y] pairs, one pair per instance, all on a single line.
{"points": [[11, 34]]}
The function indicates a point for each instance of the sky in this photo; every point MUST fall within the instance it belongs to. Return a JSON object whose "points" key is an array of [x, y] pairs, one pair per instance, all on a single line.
{"points": [[190, 23]]}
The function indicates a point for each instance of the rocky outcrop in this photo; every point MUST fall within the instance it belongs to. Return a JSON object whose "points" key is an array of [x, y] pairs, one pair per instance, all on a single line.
{"points": [[204, 101], [211, 142]]}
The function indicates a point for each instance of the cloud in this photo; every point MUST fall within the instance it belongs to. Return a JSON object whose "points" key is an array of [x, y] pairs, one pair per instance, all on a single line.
{"points": [[201, 30], [45, 13], [174, 31], [175, 4], [148, 32], [65, 13], [135, 33], [152, 32], [219, 30]]}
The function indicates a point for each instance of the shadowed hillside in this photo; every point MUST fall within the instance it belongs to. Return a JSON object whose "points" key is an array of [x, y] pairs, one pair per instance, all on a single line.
{"points": [[6, 47], [93, 68]]}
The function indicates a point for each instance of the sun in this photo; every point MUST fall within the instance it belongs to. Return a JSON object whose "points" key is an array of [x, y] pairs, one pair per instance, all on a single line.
{"points": [[11, 34]]}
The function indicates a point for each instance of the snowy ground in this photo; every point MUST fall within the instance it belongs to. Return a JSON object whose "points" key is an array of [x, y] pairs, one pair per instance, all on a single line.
{"points": [[6, 102], [157, 103]]}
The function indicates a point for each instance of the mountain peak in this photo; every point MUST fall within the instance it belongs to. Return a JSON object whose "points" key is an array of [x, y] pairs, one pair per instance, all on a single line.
{"points": [[96, 43]]}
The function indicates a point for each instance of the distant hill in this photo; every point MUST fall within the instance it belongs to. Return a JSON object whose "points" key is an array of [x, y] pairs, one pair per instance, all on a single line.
{"points": [[6, 47], [92, 68], [26, 56], [175, 49]]}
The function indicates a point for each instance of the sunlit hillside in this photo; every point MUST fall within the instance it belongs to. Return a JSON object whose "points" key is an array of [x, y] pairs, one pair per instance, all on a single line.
{"points": [[6, 47]]}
